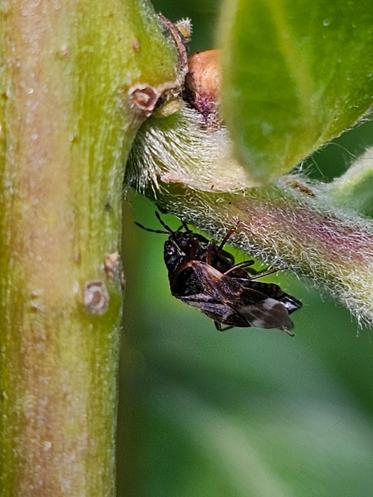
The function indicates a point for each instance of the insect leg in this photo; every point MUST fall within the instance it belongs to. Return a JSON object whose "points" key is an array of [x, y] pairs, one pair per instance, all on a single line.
{"points": [[219, 326], [209, 250], [240, 265], [265, 273], [228, 235]]}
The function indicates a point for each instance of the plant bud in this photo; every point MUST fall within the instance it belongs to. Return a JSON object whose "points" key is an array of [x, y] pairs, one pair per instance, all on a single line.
{"points": [[203, 84]]}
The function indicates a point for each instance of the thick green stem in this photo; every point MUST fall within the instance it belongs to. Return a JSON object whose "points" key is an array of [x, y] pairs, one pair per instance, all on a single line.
{"points": [[67, 119]]}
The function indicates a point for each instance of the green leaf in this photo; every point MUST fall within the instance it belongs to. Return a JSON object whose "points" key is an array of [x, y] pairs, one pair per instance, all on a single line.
{"points": [[296, 75]]}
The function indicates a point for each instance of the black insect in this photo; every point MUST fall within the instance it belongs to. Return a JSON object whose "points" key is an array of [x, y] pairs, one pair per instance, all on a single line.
{"points": [[202, 274]]}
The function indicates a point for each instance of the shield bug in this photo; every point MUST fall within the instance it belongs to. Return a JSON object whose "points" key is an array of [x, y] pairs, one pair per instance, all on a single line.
{"points": [[204, 275]]}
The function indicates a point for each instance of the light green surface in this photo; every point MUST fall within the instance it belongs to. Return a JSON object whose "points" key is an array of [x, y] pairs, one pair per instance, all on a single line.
{"points": [[296, 75]]}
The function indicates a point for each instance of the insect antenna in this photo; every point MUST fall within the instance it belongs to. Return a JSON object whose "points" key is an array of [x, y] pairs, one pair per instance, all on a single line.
{"points": [[162, 232], [169, 230], [185, 226], [151, 229]]}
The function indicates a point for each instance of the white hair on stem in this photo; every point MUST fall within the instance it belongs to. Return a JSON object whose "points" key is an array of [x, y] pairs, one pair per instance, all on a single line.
{"points": [[296, 224]]}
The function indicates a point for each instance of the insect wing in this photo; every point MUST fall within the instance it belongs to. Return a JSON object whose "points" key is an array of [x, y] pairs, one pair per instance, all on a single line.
{"points": [[185, 282], [227, 300], [206, 277], [273, 291], [268, 314], [264, 305], [218, 311]]}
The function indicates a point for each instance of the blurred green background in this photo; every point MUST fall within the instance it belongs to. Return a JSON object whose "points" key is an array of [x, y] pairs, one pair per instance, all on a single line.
{"points": [[246, 413]]}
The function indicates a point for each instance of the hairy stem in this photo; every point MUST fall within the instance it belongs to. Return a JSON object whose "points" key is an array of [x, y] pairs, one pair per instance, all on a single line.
{"points": [[67, 119], [293, 226], [313, 229]]}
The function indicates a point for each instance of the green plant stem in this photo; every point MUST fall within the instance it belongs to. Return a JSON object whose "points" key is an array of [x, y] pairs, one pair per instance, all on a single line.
{"points": [[66, 125], [354, 189], [291, 226]]}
